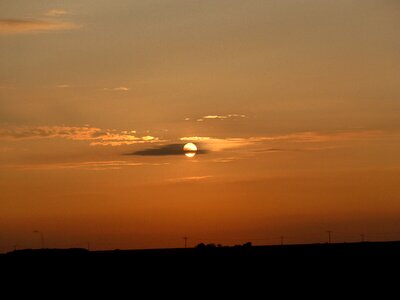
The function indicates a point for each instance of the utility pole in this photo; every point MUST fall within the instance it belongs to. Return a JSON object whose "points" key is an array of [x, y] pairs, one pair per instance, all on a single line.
{"points": [[329, 236], [185, 238]]}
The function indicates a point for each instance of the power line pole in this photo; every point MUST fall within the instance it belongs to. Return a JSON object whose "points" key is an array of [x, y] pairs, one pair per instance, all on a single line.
{"points": [[329, 236], [185, 238]]}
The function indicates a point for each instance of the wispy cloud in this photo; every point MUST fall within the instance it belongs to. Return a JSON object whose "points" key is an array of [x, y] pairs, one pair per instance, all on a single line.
{"points": [[224, 116], [117, 89], [164, 150], [34, 26], [96, 136], [56, 12], [218, 144], [220, 117], [189, 179], [63, 86], [85, 165], [315, 136], [226, 159]]}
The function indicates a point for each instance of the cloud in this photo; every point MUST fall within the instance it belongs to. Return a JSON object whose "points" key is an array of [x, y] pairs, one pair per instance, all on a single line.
{"points": [[33, 26], [56, 12], [224, 116], [118, 89], [170, 149], [318, 137], [96, 136], [220, 117], [189, 179], [85, 165], [227, 159], [218, 144], [63, 86]]}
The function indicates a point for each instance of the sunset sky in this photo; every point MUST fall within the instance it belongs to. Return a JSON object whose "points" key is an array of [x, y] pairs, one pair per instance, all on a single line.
{"points": [[294, 106]]}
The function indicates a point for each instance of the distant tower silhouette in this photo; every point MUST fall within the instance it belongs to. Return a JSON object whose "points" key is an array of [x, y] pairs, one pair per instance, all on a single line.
{"points": [[362, 237], [329, 232], [185, 238], [282, 239]]}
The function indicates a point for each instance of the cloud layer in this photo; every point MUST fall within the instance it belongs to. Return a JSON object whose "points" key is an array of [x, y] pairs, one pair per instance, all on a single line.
{"points": [[96, 136], [56, 12], [218, 144], [28, 26], [220, 117], [86, 165], [117, 89], [170, 149]]}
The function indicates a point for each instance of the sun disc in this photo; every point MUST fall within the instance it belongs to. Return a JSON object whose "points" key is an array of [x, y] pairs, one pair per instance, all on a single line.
{"points": [[190, 149]]}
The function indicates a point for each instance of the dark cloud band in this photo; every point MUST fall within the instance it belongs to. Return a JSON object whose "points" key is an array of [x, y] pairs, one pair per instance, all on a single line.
{"points": [[171, 149]]}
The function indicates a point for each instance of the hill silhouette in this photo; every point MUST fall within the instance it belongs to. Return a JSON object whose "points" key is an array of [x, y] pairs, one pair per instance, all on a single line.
{"points": [[207, 266], [246, 254]]}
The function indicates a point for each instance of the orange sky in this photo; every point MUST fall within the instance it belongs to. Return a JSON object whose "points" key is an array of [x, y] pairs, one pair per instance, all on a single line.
{"points": [[294, 106]]}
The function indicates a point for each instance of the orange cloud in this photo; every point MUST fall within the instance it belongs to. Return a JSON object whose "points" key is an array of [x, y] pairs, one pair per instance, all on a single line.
{"points": [[56, 12], [86, 165], [117, 89], [32, 26], [189, 179], [218, 144], [96, 136], [220, 117]]}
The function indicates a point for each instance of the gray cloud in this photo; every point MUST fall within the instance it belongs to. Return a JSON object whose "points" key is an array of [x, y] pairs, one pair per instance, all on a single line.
{"points": [[170, 149]]}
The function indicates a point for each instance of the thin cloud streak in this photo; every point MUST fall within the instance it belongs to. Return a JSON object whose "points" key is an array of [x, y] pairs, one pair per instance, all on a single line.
{"points": [[56, 12], [85, 165], [224, 116], [118, 89], [33, 26], [219, 144], [220, 117], [96, 136], [189, 179]]}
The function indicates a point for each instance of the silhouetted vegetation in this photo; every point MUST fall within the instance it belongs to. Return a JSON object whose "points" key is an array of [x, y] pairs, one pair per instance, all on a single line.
{"points": [[208, 246]]}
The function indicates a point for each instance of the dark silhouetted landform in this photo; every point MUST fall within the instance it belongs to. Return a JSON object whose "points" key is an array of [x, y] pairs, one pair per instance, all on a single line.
{"points": [[208, 266], [246, 253]]}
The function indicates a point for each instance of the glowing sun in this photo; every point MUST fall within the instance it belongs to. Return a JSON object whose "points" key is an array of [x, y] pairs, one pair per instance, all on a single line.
{"points": [[190, 149]]}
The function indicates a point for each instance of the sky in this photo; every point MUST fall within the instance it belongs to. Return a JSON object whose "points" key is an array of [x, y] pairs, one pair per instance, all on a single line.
{"points": [[293, 105]]}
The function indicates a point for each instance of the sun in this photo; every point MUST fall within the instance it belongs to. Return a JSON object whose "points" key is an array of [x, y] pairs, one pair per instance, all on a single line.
{"points": [[190, 149]]}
